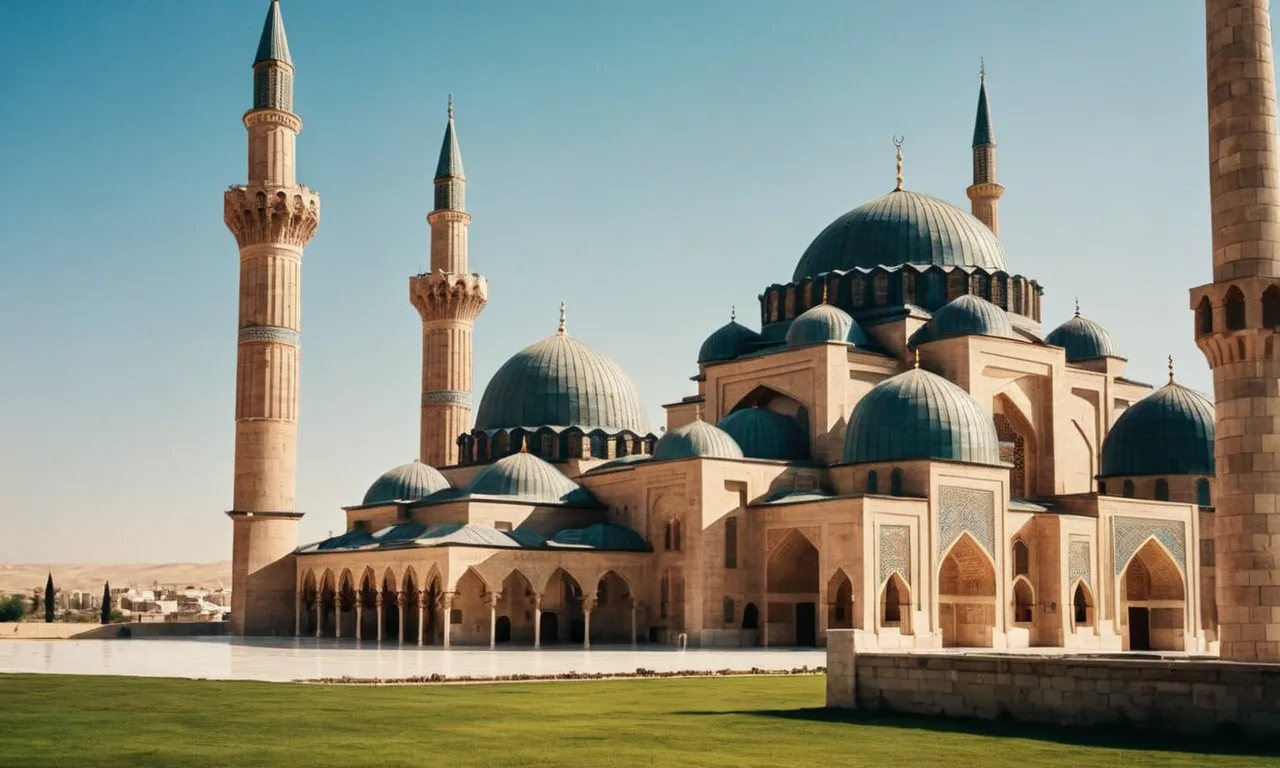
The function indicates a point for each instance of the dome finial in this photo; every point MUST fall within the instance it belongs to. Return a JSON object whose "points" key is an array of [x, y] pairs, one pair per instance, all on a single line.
{"points": [[1077, 306], [1170, 369], [824, 293], [917, 358], [562, 331], [733, 314], [524, 445], [982, 68], [897, 142], [451, 106]]}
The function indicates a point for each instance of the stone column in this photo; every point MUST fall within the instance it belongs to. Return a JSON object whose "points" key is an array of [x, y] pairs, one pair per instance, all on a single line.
{"points": [[401, 601], [493, 620], [764, 622], [633, 622], [537, 620], [588, 602], [319, 612], [297, 616], [422, 616], [337, 615], [446, 606], [378, 601], [359, 615]]}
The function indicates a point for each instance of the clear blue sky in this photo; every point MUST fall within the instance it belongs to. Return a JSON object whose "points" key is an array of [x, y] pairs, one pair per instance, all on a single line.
{"points": [[651, 163]]}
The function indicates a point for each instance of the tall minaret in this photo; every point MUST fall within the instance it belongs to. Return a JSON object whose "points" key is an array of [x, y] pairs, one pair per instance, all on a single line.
{"points": [[1244, 189], [984, 193], [448, 299], [272, 217]]}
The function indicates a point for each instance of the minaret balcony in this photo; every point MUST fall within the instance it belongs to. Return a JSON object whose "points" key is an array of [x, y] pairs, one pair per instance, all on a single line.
{"points": [[450, 297], [259, 214]]}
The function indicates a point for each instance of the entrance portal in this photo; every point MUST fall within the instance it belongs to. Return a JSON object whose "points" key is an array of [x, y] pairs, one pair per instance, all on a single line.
{"points": [[550, 628], [502, 630], [1139, 629]]}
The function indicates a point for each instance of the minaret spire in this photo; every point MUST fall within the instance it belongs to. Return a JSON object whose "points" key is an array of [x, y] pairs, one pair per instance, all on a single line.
{"points": [[897, 143], [984, 193], [272, 217], [448, 299]]}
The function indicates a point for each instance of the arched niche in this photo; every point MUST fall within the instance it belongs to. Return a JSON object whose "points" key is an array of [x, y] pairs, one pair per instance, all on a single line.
{"points": [[1153, 601], [967, 596]]}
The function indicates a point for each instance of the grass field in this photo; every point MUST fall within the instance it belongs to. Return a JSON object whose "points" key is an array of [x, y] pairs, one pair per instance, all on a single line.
{"points": [[48, 720]]}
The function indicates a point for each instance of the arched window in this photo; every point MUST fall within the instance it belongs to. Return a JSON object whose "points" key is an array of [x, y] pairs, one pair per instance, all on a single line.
{"points": [[1128, 489], [666, 537], [675, 535], [664, 597], [1162, 490], [1013, 449], [1080, 606], [1204, 317], [731, 543], [895, 482], [873, 482], [1022, 602], [1271, 307], [1021, 559], [1102, 487], [598, 449], [892, 603], [1234, 305], [1202, 493], [750, 617], [728, 610]]}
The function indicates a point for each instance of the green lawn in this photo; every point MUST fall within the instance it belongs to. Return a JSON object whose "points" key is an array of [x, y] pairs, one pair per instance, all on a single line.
{"points": [[48, 720]]}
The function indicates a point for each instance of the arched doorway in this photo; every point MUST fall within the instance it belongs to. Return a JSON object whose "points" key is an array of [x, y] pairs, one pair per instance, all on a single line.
{"points": [[1153, 601], [792, 574], [562, 599], [1081, 607], [840, 601], [328, 601], [310, 593], [369, 605], [895, 604], [611, 616], [967, 596], [469, 620], [517, 608], [550, 628], [409, 587], [345, 605], [502, 631], [390, 612], [1024, 601]]}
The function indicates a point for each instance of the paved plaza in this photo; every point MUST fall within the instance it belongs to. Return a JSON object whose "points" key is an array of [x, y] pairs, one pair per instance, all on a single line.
{"points": [[283, 660]]}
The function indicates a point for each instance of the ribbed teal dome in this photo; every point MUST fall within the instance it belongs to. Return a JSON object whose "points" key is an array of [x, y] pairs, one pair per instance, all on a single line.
{"points": [[920, 415], [408, 482], [561, 382], [1169, 432], [966, 315], [528, 478], [824, 323], [697, 438], [765, 434], [1083, 339], [727, 342], [902, 228]]}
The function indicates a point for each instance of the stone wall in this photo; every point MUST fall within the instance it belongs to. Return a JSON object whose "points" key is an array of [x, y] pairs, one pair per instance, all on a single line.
{"points": [[1200, 697], [33, 630]]}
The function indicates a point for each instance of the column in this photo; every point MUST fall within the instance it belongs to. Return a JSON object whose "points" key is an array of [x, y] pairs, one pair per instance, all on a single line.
{"points": [[537, 619], [400, 604], [493, 620], [337, 615], [319, 611], [422, 617], [446, 608], [633, 622], [297, 615], [377, 601], [359, 615], [588, 602], [764, 622]]}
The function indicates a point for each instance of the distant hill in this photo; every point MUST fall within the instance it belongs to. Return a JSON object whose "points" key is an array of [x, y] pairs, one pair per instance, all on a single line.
{"points": [[24, 577]]}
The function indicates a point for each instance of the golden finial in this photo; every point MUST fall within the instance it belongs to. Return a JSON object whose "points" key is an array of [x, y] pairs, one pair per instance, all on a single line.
{"points": [[524, 445], [451, 106], [982, 68], [897, 142], [1170, 369], [917, 358], [733, 314], [1077, 306], [824, 293], [562, 331]]}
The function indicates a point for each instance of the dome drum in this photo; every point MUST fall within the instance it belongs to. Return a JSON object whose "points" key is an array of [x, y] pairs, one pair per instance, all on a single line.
{"points": [[554, 443]]}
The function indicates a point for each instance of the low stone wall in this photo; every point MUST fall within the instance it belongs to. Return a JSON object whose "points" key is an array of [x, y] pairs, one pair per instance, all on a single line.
{"points": [[38, 630], [1191, 696]]}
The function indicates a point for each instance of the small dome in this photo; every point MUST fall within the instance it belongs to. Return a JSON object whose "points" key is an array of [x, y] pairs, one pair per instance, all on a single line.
{"points": [[696, 439], [920, 415], [824, 323], [1083, 339], [966, 315], [406, 483], [608, 536], [765, 434], [902, 228], [1169, 432], [560, 381], [528, 478], [727, 342]]}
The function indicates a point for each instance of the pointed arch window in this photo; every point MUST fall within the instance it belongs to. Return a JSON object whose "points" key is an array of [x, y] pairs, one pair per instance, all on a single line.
{"points": [[1234, 306], [1204, 317], [1271, 306], [873, 482], [1203, 496], [1128, 489], [895, 482], [1021, 558], [1162, 490]]}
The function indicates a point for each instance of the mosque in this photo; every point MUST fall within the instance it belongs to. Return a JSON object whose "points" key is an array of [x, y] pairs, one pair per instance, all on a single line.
{"points": [[901, 448]]}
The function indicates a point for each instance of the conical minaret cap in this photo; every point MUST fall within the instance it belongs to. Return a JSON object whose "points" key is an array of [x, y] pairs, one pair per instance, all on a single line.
{"points": [[273, 46]]}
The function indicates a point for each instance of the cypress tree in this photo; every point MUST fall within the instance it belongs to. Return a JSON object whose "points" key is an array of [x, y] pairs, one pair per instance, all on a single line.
{"points": [[48, 600], [106, 602]]}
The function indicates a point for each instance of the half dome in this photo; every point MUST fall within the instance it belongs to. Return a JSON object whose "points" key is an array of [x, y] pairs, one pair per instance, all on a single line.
{"points": [[604, 536], [825, 323], [765, 434], [1169, 432], [920, 415], [1083, 339], [727, 342], [966, 315], [902, 228], [525, 477], [560, 381], [406, 483], [696, 439]]}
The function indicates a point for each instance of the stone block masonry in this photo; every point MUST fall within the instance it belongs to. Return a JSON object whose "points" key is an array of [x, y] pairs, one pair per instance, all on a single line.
{"points": [[1191, 696]]}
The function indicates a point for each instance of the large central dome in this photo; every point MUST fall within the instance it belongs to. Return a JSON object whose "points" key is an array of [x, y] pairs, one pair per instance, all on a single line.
{"points": [[902, 228], [561, 382]]}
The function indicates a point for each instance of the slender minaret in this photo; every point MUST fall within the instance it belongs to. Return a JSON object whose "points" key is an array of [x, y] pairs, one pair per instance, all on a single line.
{"points": [[1244, 188], [448, 299], [272, 217], [984, 193]]}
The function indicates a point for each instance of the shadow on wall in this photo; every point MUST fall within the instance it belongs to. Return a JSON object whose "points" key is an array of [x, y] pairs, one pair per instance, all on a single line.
{"points": [[1227, 741]]}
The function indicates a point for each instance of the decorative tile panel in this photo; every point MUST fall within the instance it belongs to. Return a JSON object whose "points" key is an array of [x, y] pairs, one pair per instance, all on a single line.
{"points": [[1079, 562], [895, 552], [1130, 533], [269, 333], [447, 397], [966, 509]]}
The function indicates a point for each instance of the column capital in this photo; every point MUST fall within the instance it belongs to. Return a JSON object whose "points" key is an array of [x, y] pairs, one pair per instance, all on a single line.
{"points": [[378, 599], [493, 599], [401, 599]]}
